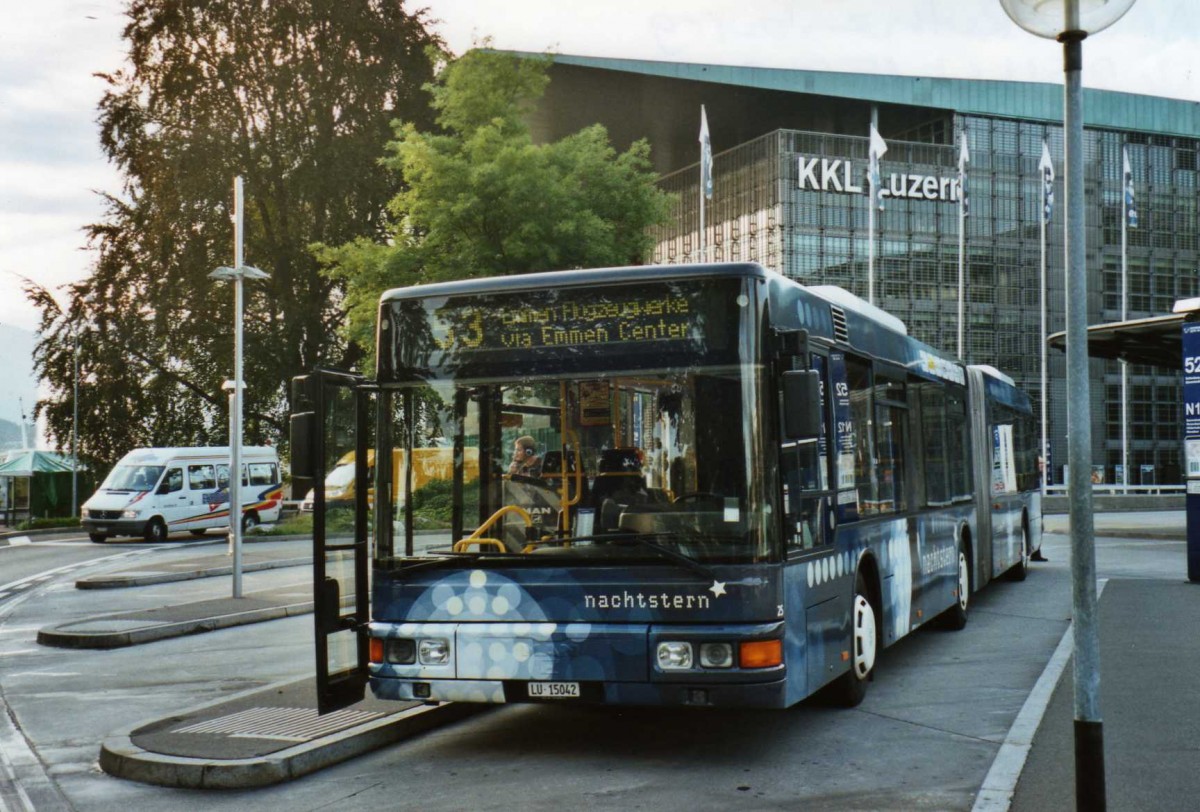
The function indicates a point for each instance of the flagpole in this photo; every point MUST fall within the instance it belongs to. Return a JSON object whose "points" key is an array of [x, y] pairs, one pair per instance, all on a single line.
{"points": [[962, 221], [871, 242], [873, 180], [1045, 396], [705, 176], [1126, 184]]}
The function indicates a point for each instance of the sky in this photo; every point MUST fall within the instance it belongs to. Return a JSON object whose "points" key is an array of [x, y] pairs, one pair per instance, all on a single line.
{"points": [[52, 169]]}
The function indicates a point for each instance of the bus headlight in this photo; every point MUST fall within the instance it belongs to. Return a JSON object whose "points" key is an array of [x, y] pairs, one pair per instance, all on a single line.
{"points": [[434, 651], [400, 651], [716, 655], [84, 513], [131, 514], [674, 656]]}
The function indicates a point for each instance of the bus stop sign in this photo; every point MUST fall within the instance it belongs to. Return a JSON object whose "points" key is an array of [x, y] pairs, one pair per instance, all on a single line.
{"points": [[1191, 441]]}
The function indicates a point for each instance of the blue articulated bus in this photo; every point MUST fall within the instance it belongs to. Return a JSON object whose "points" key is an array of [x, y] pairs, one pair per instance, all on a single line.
{"points": [[685, 485]]}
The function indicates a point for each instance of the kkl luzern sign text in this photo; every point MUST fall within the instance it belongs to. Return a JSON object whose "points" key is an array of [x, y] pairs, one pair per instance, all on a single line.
{"points": [[838, 175]]}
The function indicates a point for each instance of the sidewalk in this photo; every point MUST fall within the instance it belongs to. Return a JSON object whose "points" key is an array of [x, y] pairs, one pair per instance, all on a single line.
{"points": [[1146, 524], [1149, 659]]}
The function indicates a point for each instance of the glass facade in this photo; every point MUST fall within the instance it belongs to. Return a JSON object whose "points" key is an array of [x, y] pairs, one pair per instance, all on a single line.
{"points": [[796, 202]]}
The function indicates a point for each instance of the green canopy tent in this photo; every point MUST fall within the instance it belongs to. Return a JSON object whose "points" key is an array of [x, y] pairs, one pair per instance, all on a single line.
{"points": [[37, 484]]}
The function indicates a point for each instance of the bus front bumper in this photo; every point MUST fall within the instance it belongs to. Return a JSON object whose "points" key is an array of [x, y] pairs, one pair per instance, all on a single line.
{"points": [[707, 694]]}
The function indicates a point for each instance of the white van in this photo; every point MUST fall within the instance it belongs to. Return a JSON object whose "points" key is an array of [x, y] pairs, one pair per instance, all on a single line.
{"points": [[155, 491]]}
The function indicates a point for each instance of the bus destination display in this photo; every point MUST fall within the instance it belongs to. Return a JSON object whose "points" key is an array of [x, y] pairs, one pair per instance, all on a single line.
{"points": [[523, 324]]}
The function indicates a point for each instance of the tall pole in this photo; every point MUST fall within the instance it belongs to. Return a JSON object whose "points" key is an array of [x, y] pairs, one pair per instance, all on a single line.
{"points": [[962, 242], [235, 439], [871, 218], [1045, 394], [1124, 316], [75, 423], [1089, 731]]}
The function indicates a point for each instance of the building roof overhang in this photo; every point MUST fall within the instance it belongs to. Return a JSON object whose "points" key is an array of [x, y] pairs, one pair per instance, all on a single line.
{"points": [[1156, 341], [1035, 101]]}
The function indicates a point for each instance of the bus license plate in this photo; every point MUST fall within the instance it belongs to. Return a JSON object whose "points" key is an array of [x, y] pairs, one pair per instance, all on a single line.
{"points": [[554, 690]]}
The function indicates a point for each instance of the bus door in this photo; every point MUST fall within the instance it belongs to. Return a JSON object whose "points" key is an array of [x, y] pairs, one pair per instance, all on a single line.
{"points": [[329, 422], [804, 467]]}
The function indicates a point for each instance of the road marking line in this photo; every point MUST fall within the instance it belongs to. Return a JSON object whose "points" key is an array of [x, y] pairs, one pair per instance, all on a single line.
{"points": [[1000, 784]]}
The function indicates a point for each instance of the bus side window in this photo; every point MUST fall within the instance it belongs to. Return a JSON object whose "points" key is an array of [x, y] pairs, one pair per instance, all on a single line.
{"points": [[803, 469]]}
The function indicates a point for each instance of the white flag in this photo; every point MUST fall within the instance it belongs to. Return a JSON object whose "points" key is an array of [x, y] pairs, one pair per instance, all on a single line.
{"points": [[706, 161], [964, 158], [1131, 216], [875, 151], [1046, 165]]}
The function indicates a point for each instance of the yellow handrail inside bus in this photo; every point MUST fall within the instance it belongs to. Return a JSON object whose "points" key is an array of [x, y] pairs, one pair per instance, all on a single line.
{"points": [[477, 537], [465, 544]]}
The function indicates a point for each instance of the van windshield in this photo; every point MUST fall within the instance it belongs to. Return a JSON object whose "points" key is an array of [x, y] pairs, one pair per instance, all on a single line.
{"points": [[133, 478]]}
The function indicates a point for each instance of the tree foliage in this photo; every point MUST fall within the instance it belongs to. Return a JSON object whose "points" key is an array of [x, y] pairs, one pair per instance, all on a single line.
{"points": [[297, 97], [481, 198]]}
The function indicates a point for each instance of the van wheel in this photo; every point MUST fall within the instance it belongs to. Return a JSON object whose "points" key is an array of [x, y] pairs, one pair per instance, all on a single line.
{"points": [[98, 538], [155, 530], [852, 686], [249, 522]]}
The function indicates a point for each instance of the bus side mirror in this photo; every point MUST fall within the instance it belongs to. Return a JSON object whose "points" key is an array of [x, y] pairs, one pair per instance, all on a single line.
{"points": [[302, 426], [802, 404]]}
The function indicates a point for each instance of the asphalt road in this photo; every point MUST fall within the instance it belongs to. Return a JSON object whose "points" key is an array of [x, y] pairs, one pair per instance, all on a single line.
{"points": [[924, 738]]}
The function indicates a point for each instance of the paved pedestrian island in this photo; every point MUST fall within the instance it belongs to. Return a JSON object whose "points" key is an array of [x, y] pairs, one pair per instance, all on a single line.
{"points": [[263, 737], [1149, 704], [187, 569], [134, 628]]}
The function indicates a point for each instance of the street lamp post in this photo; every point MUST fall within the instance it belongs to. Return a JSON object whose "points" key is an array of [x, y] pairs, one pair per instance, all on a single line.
{"points": [[1070, 22], [239, 272]]}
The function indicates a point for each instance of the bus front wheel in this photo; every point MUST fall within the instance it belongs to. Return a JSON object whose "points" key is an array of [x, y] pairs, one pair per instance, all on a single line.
{"points": [[852, 686]]}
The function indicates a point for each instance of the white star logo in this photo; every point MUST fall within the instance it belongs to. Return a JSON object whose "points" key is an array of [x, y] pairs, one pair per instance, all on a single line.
{"points": [[718, 589]]}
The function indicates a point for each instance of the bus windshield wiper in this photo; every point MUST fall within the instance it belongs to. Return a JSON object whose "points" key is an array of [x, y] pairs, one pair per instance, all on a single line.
{"points": [[442, 559], [647, 541]]}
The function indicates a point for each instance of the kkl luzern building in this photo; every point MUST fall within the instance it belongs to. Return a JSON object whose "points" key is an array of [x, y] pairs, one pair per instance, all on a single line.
{"points": [[790, 165]]}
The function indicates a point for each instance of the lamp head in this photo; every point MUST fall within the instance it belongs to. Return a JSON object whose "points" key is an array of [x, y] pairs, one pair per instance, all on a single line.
{"points": [[1050, 18]]}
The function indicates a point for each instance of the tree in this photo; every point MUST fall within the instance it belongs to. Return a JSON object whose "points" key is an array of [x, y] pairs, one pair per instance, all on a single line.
{"points": [[480, 198], [296, 96]]}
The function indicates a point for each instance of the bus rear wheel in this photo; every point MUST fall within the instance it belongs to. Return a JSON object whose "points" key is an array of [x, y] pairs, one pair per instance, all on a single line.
{"points": [[1021, 568], [98, 538], [955, 618], [852, 686]]}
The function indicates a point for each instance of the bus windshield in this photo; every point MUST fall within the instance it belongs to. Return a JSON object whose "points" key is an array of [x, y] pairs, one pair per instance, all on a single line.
{"points": [[644, 441]]}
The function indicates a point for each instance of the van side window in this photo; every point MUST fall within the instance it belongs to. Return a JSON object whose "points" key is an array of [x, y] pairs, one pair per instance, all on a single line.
{"points": [[223, 476], [262, 473], [201, 477], [173, 481]]}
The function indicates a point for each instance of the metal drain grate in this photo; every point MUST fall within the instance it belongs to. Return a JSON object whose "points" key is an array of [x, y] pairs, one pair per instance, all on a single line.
{"points": [[286, 724]]}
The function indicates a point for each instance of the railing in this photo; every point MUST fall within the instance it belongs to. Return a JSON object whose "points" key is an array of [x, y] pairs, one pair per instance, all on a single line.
{"points": [[1113, 489]]}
